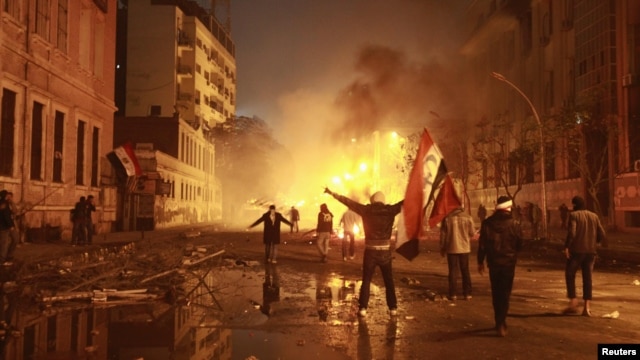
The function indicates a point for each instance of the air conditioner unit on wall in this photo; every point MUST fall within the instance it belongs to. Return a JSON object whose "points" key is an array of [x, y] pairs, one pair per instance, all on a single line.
{"points": [[629, 79]]}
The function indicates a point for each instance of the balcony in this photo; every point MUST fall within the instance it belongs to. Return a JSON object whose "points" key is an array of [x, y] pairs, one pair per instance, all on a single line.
{"points": [[184, 71]]}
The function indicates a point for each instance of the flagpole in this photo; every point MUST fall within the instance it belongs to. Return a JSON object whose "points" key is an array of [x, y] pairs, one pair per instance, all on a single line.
{"points": [[501, 77]]}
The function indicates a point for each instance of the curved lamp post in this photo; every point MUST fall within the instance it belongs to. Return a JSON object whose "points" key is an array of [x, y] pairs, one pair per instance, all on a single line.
{"points": [[501, 77]]}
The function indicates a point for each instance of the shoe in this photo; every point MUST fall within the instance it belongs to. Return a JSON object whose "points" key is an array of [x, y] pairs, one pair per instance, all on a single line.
{"points": [[351, 257], [452, 298], [468, 297], [393, 312], [362, 312], [344, 258], [570, 310], [502, 330], [274, 261], [586, 312]]}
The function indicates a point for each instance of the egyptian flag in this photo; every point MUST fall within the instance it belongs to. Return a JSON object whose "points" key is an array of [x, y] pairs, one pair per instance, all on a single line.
{"points": [[124, 160], [427, 176]]}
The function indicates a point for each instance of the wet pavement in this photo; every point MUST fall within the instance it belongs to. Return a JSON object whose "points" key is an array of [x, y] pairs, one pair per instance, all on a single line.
{"points": [[234, 306]]}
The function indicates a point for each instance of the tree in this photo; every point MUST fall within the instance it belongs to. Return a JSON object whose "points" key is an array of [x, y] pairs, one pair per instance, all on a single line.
{"points": [[509, 148], [249, 161], [586, 134]]}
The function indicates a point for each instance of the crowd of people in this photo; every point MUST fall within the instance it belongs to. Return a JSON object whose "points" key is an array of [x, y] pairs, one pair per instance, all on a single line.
{"points": [[500, 238]]}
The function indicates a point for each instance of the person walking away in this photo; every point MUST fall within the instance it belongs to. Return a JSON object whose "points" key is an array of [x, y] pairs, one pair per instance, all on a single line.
{"points": [[377, 220], [6, 228], [564, 215], [271, 232], [79, 219], [349, 221], [584, 233], [91, 208], [499, 243], [294, 218], [456, 231], [482, 212], [324, 229]]}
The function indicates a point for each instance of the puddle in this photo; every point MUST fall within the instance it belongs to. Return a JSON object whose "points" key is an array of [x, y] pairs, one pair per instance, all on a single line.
{"points": [[227, 311]]}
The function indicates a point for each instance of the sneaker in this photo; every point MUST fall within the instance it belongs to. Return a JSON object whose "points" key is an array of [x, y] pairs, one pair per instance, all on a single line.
{"points": [[452, 298], [362, 312], [351, 257], [344, 258], [274, 261], [393, 312], [468, 297]]}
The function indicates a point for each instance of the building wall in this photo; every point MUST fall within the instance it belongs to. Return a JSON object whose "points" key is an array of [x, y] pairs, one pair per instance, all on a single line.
{"points": [[65, 65], [553, 51], [180, 81]]}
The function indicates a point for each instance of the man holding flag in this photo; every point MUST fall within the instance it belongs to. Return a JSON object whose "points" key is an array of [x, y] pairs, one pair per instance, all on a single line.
{"points": [[377, 220]]}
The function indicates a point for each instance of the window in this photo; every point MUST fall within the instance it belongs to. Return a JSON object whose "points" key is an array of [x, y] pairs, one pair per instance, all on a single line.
{"points": [[98, 50], [58, 140], [95, 148], [36, 141], [63, 11], [42, 18], [7, 132], [80, 154], [84, 56], [12, 7], [155, 110]]}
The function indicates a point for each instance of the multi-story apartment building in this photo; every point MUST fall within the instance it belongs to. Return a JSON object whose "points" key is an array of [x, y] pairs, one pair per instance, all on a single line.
{"points": [[179, 75], [555, 53], [57, 108]]}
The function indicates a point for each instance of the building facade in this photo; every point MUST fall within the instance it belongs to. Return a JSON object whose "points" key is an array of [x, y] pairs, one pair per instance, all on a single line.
{"points": [[178, 69], [558, 53], [57, 109]]}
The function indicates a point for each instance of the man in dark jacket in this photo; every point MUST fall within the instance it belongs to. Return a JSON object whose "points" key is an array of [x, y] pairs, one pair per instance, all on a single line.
{"points": [[500, 240], [377, 220], [271, 232], [585, 231]]}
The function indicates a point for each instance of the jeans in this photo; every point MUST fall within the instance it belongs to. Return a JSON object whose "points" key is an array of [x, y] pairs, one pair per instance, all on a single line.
{"points": [[372, 259], [501, 278], [271, 251], [348, 243], [79, 234], [455, 262], [323, 243], [585, 262]]}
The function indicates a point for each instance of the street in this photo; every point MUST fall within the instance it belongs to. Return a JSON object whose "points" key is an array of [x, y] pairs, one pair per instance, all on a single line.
{"points": [[303, 308]]}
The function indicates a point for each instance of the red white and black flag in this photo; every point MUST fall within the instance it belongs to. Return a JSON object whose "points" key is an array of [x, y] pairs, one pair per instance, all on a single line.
{"points": [[124, 160], [429, 187]]}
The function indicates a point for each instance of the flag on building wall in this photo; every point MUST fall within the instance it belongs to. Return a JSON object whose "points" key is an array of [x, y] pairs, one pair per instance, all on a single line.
{"points": [[428, 174], [124, 159]]}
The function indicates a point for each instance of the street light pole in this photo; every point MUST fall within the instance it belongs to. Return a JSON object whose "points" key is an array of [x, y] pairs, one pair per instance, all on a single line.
{"points": [[542, 160]]}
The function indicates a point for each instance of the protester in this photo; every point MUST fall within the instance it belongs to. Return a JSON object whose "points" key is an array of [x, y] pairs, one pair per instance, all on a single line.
{"points": [[564, 215], [79, 219], [500, 240], [377, 219], [349, 221], [324, 229], [271, 232], [91, 208], [584, 233], [294, 215], [7, 227], [456, 232], [482, 212]]}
